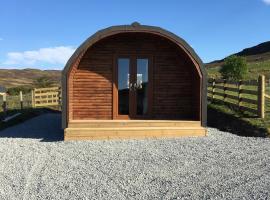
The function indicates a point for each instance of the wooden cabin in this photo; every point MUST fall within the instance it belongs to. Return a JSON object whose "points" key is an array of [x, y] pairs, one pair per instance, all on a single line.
{"points": [[133, 81]]}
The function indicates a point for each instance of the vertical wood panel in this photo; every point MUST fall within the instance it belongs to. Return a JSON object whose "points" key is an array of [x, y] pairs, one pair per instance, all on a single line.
{"points": [[174, 86]]}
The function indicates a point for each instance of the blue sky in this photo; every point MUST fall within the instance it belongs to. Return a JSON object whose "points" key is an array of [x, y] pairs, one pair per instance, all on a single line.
{"points": [[43, 34]]}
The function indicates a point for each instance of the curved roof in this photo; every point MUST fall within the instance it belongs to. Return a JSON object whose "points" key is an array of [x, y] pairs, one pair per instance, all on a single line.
{"points": [[134, 27]]}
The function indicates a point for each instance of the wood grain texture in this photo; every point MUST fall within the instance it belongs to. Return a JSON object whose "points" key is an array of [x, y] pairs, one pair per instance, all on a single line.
{"points": [[131, 123], [132, 133], [176, 84]]}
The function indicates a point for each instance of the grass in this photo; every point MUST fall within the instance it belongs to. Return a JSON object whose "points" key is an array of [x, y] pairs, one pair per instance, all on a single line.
{"points": [[13, 102], [233, 101], [257, 68], [254, 70], [226, 119], [230, 118]]}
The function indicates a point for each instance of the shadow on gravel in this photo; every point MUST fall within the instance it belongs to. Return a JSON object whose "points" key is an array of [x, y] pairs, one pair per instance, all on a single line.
{"points": [[235, 125], [44, 125]]}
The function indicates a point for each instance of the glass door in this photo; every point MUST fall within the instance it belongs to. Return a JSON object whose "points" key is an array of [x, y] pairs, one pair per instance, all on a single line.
{"points": [[123, 84], [142, 89], [133, 89]]}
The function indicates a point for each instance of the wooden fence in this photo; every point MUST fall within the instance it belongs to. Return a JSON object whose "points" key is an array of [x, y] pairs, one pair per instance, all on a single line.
{"points": [[39, 97], [246, 96], [44, 97]]}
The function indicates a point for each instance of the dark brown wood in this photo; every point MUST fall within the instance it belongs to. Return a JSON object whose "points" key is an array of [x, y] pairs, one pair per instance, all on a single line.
{"points": [[115, 90], [133, 93], [93, 77], [150, 87], [174, 83], [114, 99], [132, 97], [194, 62]]}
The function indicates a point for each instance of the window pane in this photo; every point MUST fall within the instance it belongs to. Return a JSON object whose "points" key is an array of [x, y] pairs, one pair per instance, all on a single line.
{"points": [[142, 86], [123, 86]]}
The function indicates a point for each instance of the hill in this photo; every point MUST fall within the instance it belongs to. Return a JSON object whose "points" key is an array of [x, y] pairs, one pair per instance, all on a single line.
{"points": [[259, 53], [25, 77], [258, 59]]}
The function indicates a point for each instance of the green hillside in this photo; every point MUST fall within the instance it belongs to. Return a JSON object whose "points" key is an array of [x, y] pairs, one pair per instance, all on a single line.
{"points": [[258, 59], [254, 70]]}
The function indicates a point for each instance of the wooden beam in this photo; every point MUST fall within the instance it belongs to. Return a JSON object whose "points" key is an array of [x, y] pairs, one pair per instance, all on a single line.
{"points": [[261, 96]]}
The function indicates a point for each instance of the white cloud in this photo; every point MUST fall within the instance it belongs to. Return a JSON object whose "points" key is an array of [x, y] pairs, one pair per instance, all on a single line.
{"points": [[44, 56], [267, 2]]}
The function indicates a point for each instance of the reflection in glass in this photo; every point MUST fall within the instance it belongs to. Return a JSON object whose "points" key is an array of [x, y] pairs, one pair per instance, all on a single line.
{"points": [[123, 86], [142, 86]]}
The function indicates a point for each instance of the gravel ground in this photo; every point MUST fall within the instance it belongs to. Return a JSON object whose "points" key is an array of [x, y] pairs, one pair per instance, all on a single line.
{"points": [[219, 166]]}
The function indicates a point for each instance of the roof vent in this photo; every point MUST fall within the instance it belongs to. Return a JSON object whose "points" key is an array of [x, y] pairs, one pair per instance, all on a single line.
{"points": [[135, 24]]}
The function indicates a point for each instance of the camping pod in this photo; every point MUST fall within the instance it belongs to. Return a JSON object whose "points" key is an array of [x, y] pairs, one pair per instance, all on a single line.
{"points": [[133, 81]]}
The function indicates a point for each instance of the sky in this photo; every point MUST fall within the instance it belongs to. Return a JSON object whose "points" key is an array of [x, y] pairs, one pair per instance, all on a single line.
{"points": [[44, 34]]}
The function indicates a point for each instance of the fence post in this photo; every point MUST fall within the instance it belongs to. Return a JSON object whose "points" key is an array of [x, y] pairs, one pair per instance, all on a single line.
{"points": [[33, 98], [213, 89], [60, 98], [21, 99], [5, 104], [224, 90], [239, 94], [261, 91]]}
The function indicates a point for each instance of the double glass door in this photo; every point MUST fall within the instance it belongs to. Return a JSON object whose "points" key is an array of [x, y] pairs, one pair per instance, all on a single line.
{"points": [[133, 87]]}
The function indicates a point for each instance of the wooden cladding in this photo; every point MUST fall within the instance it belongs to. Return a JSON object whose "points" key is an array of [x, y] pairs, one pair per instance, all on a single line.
{"points": [[172, 88], [176, 85], [92, 87]]}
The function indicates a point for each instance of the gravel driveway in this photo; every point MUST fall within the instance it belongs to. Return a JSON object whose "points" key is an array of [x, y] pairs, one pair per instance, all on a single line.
{"points": [[219, 166]]}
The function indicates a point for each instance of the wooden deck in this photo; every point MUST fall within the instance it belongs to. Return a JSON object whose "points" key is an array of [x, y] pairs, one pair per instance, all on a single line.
{"points": [[131, 129]]}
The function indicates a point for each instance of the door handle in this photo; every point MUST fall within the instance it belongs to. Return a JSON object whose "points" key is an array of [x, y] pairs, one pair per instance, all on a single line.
{"points": [[139, 84], [135, 86], [130, 86]]}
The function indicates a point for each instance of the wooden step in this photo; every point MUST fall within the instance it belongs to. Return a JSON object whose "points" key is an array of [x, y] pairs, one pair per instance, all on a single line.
{"points": [[131, 132], [131, 123]]}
